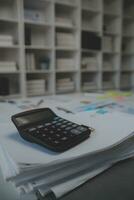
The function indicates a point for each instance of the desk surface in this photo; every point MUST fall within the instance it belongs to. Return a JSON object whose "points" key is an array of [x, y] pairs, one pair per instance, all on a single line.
{"points": [[117, 183]]}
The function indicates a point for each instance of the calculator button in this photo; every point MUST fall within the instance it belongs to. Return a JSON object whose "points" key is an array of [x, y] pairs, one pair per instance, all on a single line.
{"points": [[44, 135], [45, 129], [55, 118], [56, 142], [37, 131], [75, 131], [58, 124], [40, 126], [65, 132], [58, 129], [60, 120], [68, 128], [51, 132], [80, 128], [58, 135], [32, 129], [63, 126], [64, 122], [64, 138], [70, 124], [74, 125], [47, 124], [54, 122]]}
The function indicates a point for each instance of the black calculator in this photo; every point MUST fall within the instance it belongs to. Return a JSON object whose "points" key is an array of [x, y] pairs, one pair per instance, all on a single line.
{"points": [[44, 127]]}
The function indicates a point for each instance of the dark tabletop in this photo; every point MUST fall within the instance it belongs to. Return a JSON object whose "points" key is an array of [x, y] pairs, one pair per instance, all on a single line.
{"points": [[117, 183]]}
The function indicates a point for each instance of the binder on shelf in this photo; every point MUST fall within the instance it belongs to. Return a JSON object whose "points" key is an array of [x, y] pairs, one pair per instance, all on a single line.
{"points": [[65, 84], [27, 36], [36, 86], [89, 63], [4, 86], [90, 41]]}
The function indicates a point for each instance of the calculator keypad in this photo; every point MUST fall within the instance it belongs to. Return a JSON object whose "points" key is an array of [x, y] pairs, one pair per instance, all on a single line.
{"points": [[57, 133]]}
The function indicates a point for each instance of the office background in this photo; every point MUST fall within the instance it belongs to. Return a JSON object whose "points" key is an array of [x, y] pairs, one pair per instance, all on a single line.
{"points": [[56, 46], [62, 46]]}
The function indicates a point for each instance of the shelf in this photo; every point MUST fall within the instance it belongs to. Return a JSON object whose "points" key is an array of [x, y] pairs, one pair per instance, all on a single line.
{"points": [[91, 10], [10, 72], [9, 20], [36, 5], [64, 26], [39, 95], [66, 71], [66, 49], [91, 30], [110, 52], [90, 51], [109, 71], [128, 36], [65, 3], [91, 22], [127, 70], [112, 8], [128, 18], [38, 48], [11, 96], [91, 5], [112, 34], [38, 72], [39, 23], [89, 70], [111, 15], [8, 9], [9, 47]]}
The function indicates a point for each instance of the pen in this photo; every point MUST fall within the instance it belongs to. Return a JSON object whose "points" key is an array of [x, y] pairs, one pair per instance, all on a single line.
{"points": [[65, 110], [39, 102], [103, 106]]}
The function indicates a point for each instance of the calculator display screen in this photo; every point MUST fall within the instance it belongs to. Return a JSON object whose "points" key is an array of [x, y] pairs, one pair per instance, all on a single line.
{"points": [[45, 115]]}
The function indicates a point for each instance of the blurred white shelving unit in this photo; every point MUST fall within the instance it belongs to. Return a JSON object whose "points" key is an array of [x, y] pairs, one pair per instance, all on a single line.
{"points": [[127, 58], [66, 46]]}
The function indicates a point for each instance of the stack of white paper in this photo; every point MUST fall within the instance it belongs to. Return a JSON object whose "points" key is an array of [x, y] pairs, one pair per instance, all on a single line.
{"points": [[8, 66], [65, 84], [89, 63], [6, 40], [36, 86], [65, 39], [65, 63], [89, 85], [32, 168]]}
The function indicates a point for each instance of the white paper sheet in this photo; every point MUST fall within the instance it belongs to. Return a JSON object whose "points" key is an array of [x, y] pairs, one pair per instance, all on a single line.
{"points": [[112, 155]]}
